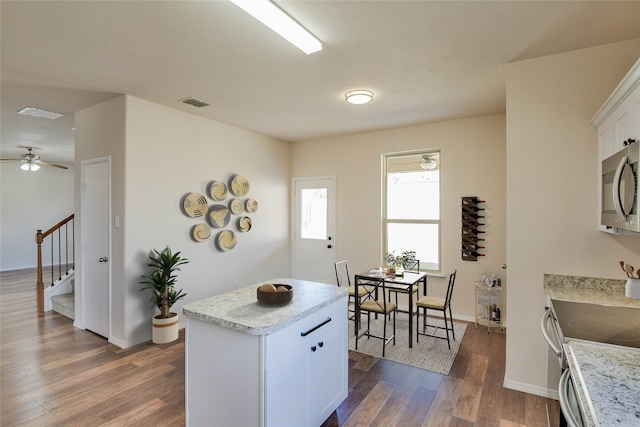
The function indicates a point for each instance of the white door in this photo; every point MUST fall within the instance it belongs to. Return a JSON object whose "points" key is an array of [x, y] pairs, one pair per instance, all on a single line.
{"points": [[313, 234], [96, 214]]}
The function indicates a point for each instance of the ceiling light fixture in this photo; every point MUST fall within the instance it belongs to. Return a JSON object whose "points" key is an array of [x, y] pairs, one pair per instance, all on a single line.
{"points": [[37, 112], [29, 167], [279, 21], [358, 96]]}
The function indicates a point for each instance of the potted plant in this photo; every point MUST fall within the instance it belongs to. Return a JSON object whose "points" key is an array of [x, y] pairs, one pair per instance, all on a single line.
{"points": [[400, 262], [161, 282]]}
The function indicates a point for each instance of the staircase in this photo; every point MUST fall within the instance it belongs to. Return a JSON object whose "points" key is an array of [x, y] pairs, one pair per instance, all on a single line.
{"points": [[60, 297], [64, 304]]}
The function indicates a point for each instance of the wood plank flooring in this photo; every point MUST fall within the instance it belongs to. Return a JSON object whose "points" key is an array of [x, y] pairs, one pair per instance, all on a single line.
{"points": [[52, 374]]}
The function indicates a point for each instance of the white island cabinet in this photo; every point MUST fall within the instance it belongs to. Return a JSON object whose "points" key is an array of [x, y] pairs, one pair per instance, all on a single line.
{"points": [[251, 365]]}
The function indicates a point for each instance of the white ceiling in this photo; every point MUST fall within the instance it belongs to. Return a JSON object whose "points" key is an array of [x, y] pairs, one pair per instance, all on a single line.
{"points": [[426, 61]]}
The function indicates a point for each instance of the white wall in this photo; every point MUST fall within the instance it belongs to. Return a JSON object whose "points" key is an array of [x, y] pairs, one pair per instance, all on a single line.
{"points": [[30, 201], [473, 164], [165, 155], [552, 188]]}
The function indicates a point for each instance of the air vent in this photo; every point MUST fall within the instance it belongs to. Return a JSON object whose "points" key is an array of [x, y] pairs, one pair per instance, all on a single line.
{"points": [[195, 102]]}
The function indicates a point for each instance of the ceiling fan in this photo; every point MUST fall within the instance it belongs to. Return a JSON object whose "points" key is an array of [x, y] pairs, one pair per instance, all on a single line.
{"points": [[32, 162]]}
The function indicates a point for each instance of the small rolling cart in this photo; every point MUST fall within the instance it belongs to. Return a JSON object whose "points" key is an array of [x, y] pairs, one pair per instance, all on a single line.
{"points": [[488, 306]]}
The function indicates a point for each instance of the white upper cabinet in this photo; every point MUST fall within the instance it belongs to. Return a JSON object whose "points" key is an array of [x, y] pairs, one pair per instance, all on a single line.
{"points": [[619, 117]]}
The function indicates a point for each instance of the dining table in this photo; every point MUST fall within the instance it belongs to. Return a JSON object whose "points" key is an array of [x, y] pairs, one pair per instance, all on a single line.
{"points": [[374, 278]]}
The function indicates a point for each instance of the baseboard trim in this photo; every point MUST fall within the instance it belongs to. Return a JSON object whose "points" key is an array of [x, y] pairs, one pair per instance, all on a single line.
{"points": [[531, 389]]}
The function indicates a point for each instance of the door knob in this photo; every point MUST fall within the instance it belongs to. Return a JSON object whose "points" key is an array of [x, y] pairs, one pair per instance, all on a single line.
{"points": [[103, 259]]}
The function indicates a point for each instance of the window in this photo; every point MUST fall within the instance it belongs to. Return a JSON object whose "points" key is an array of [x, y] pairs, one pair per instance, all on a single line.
{"points": [[411, 204]]}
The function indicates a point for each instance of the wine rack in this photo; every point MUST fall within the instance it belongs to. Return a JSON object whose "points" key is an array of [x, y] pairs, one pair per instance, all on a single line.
{"points": [[472, 218]]}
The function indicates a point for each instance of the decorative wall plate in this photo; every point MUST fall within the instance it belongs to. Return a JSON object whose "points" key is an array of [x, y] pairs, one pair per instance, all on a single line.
{"points": [[218, 191], [251, 205], [244, 224], [200, 232], [219, 216], [239, 185], [236, 206], [195, 205], [226, 240]]}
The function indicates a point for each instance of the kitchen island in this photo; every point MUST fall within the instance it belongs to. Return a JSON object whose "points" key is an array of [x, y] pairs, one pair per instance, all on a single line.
{"points": [[252, 365]]}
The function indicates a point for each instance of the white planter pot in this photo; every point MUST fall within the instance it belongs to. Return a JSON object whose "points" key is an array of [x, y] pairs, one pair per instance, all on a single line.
{"points": [[165, 330]]}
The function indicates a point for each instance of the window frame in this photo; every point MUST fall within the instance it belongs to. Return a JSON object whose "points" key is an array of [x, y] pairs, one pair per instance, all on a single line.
{"points": [[386, 221]]}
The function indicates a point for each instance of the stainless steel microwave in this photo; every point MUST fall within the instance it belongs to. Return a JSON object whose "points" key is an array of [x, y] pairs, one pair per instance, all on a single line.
{"points": [[620, 189]]}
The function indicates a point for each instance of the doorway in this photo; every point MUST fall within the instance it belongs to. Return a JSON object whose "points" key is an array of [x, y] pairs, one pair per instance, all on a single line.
{"points": [[314, 229]]}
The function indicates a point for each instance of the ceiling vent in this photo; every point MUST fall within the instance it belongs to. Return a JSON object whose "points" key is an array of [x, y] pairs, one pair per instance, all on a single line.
{"points": [[195, 102]]}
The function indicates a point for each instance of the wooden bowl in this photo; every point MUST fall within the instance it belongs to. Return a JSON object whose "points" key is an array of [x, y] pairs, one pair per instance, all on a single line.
{"points": [[275, 298]]}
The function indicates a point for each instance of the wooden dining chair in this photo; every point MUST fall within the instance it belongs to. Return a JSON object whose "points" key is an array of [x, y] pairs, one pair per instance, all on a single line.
{"points": [[439, 304], [414, 266], [377, 306], [344, 280]]}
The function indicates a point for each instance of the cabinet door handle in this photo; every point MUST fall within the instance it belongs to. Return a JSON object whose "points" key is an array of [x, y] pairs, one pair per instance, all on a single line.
{"points": [[313, 348], [321, 344], [304, 334]]}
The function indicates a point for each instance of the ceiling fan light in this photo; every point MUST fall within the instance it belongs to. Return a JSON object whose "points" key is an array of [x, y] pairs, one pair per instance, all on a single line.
{"points": [[358, 97], [24, 166], [34, 167]]}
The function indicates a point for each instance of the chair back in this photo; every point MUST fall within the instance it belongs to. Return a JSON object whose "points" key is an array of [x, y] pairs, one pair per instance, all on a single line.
{"points": [[413, 265], [342, 273], [452, 279], [380, 302]]}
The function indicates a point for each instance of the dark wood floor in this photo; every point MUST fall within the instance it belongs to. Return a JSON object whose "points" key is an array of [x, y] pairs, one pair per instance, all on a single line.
{"points": [[55, 375]]}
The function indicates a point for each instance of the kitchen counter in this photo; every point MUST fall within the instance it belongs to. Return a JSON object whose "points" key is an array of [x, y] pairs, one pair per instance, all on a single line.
{"points": [[591, 290], [239, 310], [607, 382]]}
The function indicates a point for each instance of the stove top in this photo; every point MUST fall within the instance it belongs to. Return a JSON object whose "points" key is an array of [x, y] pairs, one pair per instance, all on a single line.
{"points": [[594, 322]]}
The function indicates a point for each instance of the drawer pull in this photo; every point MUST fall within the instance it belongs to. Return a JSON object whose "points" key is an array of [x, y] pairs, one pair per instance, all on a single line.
{"points": [[304, 334], [321, 344], [313, 348]]}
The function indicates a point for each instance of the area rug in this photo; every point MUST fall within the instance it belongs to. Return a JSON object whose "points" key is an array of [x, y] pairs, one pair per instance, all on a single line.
{"points": [[430, 353]]}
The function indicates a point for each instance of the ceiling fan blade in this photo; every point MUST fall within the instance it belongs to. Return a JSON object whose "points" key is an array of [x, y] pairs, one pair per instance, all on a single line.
{"points": [[50, 164], [10, 160]]}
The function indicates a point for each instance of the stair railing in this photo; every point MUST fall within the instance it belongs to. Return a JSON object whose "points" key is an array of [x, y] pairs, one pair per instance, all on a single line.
{"points": [[62, 247]]}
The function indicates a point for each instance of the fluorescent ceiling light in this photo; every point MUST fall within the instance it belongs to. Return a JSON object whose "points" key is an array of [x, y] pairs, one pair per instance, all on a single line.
{"points": [[37, 112], [358, 96], [275, 18]]}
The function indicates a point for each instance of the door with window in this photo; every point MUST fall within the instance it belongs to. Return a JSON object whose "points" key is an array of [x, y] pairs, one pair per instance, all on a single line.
{"points": [[313, 234]]}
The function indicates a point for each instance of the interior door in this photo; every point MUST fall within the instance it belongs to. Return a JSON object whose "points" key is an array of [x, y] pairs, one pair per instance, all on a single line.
{"points": [[96, 214], [313, 234]]}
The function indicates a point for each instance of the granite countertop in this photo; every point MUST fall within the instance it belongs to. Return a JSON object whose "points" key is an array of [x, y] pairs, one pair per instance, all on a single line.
{"points": [[607, 380], [591, 290], [240, 310]]}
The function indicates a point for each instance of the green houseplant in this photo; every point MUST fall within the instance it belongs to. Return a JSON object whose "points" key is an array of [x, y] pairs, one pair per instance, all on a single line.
{"points": [[161, 281], [400, 262]]}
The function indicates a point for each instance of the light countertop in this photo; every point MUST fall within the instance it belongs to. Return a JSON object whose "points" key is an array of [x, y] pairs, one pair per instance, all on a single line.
{"points": [[607, 380], [591, 290], [240, 310]]}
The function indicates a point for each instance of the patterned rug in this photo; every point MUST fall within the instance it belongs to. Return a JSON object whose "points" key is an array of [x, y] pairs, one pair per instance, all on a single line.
{"points": [[430, 353]]}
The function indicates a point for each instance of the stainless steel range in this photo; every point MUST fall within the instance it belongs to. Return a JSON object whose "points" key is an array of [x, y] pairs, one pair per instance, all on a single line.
{"points": [[601, 323]]}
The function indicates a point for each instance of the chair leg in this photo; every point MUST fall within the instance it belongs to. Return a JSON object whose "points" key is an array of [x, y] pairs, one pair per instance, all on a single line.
{"points": [[451, 320], [384, 335], [446, 327]]}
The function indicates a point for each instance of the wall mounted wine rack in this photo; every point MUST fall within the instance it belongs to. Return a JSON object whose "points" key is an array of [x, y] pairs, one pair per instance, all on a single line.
{"points": [[472, 218]]}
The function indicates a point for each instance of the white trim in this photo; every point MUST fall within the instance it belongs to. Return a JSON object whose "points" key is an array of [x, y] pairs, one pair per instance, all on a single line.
{"points": [[531, 389], [619, 94]]}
